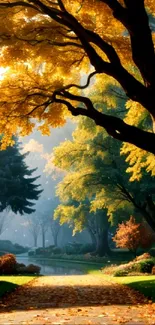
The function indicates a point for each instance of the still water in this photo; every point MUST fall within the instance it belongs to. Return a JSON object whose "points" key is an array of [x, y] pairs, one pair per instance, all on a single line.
{"points": [[49, 267]]}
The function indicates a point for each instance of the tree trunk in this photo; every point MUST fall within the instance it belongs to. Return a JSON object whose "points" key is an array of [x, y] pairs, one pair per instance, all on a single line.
{"points": [[102, 248], [148, 211], [43, 239], [55, 238], [93, 238], [35, 241]]}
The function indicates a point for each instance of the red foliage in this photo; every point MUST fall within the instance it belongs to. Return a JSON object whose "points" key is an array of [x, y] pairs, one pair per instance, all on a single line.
{"points": [[7, 264], [133, 235]]}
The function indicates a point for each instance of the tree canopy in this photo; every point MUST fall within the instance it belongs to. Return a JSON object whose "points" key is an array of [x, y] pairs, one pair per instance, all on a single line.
{"points": [[95, 171], [48, 49]]}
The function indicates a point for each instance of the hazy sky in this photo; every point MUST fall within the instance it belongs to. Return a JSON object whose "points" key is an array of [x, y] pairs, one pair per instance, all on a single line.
{"points": [[40, 147]]}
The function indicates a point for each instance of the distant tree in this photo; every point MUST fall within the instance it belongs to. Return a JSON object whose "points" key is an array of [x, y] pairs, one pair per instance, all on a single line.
{"points": [[54, 224], [34, 228], [3, 221], [133, 235], [55, 228], [19, 188], [44, 223]]}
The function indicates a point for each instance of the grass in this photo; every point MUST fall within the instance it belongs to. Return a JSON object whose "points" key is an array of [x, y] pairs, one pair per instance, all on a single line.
{"points": [[144, 284], [10, 283]]}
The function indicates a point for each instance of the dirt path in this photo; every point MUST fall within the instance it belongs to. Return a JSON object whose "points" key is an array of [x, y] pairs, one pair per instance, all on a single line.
{"points": [[84, 299]]}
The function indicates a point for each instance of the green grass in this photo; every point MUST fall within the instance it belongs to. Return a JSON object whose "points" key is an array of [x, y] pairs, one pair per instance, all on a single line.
{"points": [[10, 283], [144, 284]]}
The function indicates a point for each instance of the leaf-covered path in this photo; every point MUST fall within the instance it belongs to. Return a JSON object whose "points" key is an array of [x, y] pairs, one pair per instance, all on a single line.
{"points": [[85, 299]]}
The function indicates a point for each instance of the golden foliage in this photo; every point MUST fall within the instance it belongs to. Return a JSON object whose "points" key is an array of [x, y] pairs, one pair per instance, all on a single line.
{"points": [[39, 56]]}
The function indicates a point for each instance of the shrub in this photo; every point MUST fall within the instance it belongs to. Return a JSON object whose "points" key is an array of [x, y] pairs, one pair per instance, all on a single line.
{"points": [[138, 267], [143, 257], [56, 250], [110, 270], [19, 265], [45, 251], [87, 248], [120, 273], [72, 248], [145, 266], [8, 264], [30, 269], [31, 253], [153, 270]]}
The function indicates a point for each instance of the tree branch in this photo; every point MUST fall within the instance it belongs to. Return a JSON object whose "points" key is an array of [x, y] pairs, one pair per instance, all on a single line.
{"points": [[135, 20]]}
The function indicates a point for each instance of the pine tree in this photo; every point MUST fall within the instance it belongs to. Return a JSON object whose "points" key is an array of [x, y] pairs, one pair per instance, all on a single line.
{"points": [[18, 187]]}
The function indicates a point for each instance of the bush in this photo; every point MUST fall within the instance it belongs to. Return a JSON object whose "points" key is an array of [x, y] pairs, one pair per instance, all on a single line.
{"points": [[72, 248], [120, 273], [87, 248], [29, 269], [56, 250], [32, 269], [145, 266], [109, 270], [8, 264], [143, 257], [31, 253], [138, 267]]}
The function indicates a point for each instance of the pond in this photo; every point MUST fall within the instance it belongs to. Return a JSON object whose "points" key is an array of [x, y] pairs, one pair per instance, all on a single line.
{"points": [[50, 267]]}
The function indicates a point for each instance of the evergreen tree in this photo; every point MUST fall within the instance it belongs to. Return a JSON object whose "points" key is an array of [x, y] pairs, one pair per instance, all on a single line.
{"points": [[18, 187]]}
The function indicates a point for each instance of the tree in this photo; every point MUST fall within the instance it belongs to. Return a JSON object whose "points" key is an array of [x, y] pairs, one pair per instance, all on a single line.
{"points": [[44, 222], [34, 228], [45, 44], [95, 169], [44, 218], [133, 235], [55, 228], [78, 215], [19, 187]]}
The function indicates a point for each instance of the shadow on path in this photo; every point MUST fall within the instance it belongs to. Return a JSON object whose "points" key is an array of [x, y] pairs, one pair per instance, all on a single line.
{"points": [[69, 291]]}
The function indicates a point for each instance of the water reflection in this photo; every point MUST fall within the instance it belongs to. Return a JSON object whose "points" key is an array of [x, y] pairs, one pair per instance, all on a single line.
{"points": [[50, 267]]}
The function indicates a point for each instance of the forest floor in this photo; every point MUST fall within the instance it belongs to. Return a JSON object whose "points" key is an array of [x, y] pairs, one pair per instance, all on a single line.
{"points": [[78, 299]]}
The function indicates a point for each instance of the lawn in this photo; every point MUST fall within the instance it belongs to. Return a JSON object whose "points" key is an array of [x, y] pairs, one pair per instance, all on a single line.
{"points": [[144, 284], [10, 283]]}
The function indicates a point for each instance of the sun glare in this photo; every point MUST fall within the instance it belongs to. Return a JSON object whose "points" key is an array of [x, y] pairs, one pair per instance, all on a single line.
{"points": [[2, 72]]}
